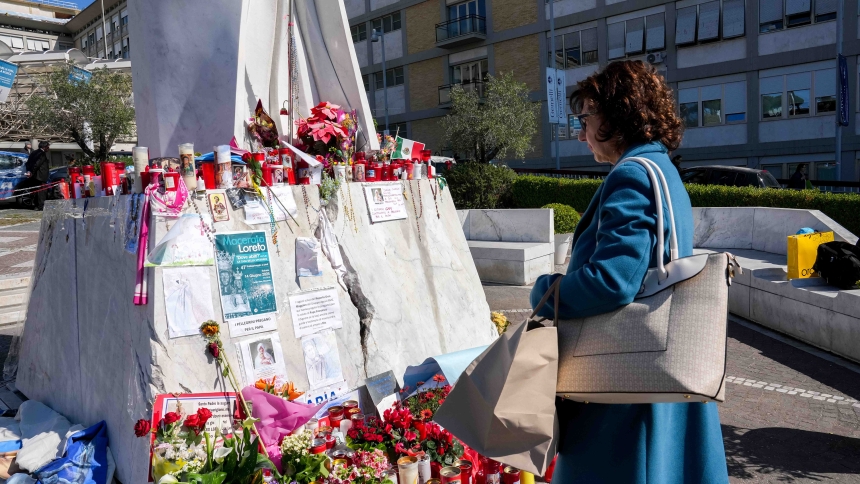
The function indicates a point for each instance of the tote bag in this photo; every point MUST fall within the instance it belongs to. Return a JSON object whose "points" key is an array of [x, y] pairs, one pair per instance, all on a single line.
{"points": [[503, 405], [669, 344]]}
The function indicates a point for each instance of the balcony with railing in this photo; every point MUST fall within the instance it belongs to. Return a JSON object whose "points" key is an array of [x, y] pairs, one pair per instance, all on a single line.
{"points": [[461, 30], [445, 91]]}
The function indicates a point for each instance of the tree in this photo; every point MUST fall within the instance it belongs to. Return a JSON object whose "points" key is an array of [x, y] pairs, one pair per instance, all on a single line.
{"points": [[93, 113], [504, 123]]}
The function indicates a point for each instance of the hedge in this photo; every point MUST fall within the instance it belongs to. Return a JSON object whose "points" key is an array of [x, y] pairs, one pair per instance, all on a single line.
{"points": [[535, 192]]}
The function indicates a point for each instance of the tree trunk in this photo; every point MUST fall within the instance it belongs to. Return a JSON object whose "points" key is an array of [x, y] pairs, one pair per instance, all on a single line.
{"points": [[82, 143]]}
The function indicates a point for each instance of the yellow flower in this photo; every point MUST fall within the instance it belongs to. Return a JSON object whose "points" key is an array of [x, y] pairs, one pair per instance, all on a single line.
{"points": [[500, 321], [210, 328]]}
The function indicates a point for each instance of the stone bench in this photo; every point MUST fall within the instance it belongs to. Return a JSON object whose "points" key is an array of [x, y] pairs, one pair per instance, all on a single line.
{"points": [[512, 246], [806, 309]]}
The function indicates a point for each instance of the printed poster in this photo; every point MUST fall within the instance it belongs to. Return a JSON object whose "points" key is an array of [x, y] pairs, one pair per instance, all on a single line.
{"points": [[263, 358], [8, 72], [322, 360], [385, 201], [187, 299], [221, 405], [245, 282], [315, 311]]}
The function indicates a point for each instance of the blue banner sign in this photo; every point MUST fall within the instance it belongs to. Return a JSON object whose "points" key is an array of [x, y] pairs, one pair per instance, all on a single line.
{"points": [[8, 71]]}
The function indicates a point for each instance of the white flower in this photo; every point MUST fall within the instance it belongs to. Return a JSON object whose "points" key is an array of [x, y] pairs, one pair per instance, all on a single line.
{"points": [[170, 454], [221, 453], [167, 479]]}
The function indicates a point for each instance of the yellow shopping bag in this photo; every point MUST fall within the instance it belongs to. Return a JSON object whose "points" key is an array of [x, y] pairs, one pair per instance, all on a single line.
{"points": [[802, 250]]}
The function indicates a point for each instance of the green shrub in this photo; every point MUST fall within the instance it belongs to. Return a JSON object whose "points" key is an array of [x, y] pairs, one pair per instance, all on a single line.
{"points": [[536, 191], [844, 208], [480, 185], [564, 217]]}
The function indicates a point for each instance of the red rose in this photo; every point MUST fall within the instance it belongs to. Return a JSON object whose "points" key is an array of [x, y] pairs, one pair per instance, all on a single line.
{"points": [[192, 422], [142, 427], [213, 348], [171, 417], [203, 414]]}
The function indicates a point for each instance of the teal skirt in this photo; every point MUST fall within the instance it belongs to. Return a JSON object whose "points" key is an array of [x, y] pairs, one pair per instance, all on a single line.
{"points": [[665, 443]]}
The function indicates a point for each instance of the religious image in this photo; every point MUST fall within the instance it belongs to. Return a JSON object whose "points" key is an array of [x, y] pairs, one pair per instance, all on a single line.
{"points": [[322, 360], [263, 355], [187, 299], [377, 195]]}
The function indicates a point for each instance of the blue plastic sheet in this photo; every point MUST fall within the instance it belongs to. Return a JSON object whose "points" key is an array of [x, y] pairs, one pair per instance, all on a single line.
{"points": [[450, 365]]}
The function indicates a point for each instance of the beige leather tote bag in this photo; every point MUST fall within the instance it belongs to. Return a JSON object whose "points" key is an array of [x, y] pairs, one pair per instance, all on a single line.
{"points": [[668, 345]]}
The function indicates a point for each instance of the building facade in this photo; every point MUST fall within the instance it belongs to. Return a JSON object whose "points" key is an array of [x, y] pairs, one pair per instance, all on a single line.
{"points": [[31, 26], [755, 80], [106, 39]]}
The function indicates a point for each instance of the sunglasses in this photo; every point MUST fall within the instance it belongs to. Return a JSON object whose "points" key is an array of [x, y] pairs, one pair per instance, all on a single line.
{"points": [[581, 118]]}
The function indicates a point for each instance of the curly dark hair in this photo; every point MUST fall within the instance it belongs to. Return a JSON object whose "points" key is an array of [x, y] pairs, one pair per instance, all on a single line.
{"points": [[635, 103]]}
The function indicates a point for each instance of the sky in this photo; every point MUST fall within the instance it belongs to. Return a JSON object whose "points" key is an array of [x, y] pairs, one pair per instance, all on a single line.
{"points": [[82, 4]]}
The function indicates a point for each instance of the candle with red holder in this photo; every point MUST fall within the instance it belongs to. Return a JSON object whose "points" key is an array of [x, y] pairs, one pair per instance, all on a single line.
{"points": [[286, 156], [120, 169], [77, 181], [425, 157], [171, 181], [359, 167], [208, 169], [108, 175]]}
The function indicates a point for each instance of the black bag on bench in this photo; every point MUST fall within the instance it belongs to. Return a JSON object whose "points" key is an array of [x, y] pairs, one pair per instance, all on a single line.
{"points": [[838, 263]]}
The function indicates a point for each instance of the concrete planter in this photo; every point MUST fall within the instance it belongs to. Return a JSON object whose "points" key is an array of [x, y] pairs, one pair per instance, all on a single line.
{"points": [[562, 243]]}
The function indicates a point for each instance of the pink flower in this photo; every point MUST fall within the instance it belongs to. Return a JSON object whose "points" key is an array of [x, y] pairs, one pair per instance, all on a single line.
{"points": [[410, 436]]}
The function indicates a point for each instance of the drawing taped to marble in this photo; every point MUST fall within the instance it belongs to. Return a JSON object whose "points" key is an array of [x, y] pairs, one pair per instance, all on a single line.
{"points": [[187, 299], [185, 244], [322, 360]]}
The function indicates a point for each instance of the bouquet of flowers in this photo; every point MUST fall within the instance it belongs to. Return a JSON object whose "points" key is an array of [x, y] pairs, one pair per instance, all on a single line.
{"points": [[368, 467], [286, 391], [441, 445], [386, 146], [328, 134], [178, 448], [298, 463], [424, 404]]}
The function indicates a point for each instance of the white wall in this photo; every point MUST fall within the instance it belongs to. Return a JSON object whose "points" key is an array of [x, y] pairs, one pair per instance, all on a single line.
{"points": [[567, 7], [793, 129], [698, 55], [729, 134], [396, 100], [393, 46], [354, 8], [797, 38]]}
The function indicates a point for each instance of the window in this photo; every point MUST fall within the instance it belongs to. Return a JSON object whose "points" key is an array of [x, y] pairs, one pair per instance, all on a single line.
{"points": [[694, 176], [398, 129], [775, 170], [117, 50], [469, 73], [12, 41], [91, 38], [366, 79], [36, 44], [635, 36], [574, 49], [805, 94], [779, 14], [386, 24], [359, 32], [393, 77], [123, 18], [99, 33], [718, 104], [466, 11], [125, 48], [701, 23], [573, 126]]}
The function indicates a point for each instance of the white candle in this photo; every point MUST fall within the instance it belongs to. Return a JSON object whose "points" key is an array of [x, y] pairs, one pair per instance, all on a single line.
{"points": [[407, 469], [345, 425], [186, 164], [140, 155]]}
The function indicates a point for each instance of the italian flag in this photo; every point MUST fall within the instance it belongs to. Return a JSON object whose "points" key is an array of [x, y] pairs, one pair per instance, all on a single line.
{"points": [[406, 149]]}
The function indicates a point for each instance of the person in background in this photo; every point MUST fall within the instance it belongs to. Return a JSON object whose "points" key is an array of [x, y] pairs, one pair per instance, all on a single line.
{"points": [[799, 178], [676, 161], [628, 110], [28, 148], [38, 166]]}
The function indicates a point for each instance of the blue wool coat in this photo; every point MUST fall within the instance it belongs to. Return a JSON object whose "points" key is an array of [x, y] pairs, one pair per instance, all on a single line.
{"points": [[664, 443]]}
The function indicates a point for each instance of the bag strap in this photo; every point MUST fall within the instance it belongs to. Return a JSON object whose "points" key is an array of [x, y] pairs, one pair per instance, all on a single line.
{"points": [[553, 290], [653, 171]]}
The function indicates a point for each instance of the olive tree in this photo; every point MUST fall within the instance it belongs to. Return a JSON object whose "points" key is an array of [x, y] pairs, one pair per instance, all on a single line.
{"points": [[503, 123], [94, 113]]}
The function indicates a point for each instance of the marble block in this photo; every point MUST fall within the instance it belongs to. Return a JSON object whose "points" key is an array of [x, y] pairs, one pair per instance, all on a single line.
{"points": [[410, 291], [515, 251], [519, 273], [511, 225], [723, 228]]}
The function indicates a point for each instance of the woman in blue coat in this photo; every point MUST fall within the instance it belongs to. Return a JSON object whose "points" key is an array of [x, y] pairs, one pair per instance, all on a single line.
{"points": [[628, 110]]}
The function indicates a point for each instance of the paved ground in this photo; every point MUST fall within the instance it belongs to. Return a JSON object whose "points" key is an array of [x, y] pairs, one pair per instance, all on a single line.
{"points": [[791, 412]]}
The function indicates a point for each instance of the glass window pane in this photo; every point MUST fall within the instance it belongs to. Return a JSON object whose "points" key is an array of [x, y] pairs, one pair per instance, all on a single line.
{"points": [[825, 82], [655, 32], [616, 40], [709, 20], [690, 114], [771, 105], [735, 97], [589, 40], [386, 24], [711, 112], [793, 7], [823, 7], [770, 11], [825, 171], [377, 25], [635, 36], [775, 170], [736, 118], [733, 18], [571, 57], [798, 102], [685, 26], [395, 21], [825, 104], [573, 126]]}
